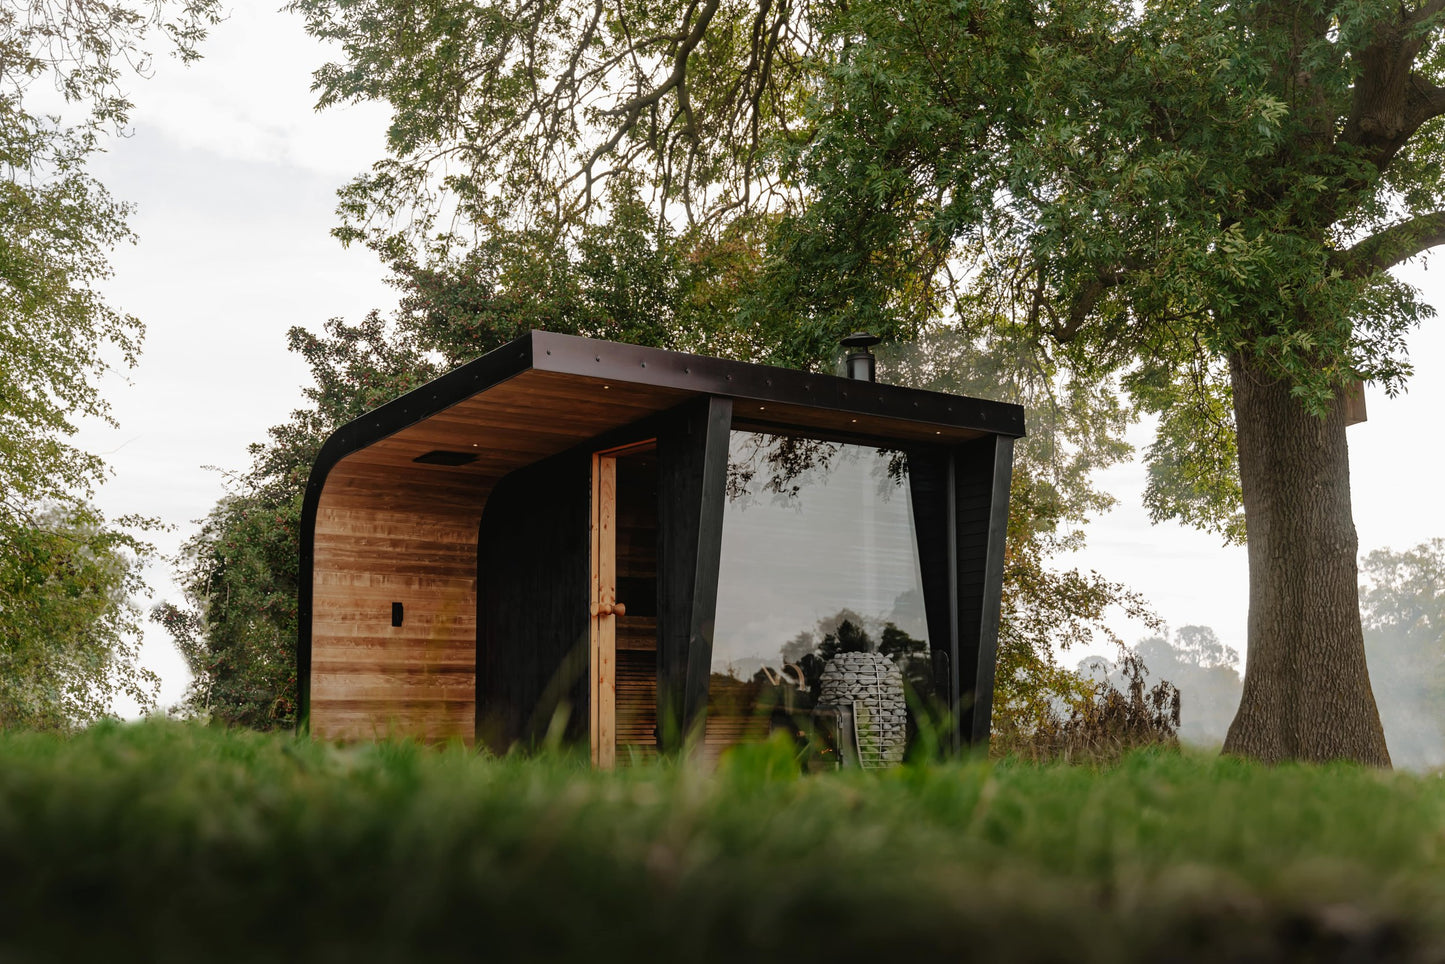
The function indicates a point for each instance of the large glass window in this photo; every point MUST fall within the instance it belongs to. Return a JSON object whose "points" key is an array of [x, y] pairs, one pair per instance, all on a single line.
{"points": [[820, 600]]}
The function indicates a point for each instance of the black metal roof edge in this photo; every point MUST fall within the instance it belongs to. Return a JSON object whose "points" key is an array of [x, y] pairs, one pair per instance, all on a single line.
{"points": [[575, 355], [422, 402]]}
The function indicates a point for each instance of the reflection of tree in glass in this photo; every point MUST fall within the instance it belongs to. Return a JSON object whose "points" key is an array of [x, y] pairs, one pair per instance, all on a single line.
{"points": [[784, 461], [848, 637], [910, 654], [896, 473]]}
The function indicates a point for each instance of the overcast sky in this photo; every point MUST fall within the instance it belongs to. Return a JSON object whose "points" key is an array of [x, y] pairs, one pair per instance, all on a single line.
{"points": [[234, 178]]}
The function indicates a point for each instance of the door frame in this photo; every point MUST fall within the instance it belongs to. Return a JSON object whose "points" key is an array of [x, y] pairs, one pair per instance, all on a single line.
{"points": [[602, 603]]}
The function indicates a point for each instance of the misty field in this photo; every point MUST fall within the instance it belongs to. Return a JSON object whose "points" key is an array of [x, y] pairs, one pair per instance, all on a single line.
{"points": [[164, 841]]}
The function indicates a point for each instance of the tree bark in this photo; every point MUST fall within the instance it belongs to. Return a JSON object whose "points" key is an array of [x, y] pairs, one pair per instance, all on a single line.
{"points": [[1306, 687]]}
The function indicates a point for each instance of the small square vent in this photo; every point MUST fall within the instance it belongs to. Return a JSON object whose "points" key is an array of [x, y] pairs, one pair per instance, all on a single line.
{"points": [[444, 457]]}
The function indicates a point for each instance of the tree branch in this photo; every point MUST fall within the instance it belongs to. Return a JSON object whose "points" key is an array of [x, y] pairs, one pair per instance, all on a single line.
{"points": [[1426, 11], [1390, 100], [1426, 100], [1393, 245], [1087, 298], [631, 111], [634, 107]]}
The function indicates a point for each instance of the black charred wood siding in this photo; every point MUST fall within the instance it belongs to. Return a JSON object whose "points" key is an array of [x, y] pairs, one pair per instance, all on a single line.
{"points": [[533, 572]]}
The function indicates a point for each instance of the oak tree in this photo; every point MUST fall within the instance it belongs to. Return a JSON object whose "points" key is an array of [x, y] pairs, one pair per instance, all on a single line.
{"points": [[1200, 200]]}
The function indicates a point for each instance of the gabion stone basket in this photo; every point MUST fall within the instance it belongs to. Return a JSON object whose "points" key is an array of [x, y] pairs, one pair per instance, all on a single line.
{"points": [[871, 685]]}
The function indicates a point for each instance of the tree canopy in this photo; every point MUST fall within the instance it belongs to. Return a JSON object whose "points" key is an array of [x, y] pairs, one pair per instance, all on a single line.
{"points": [[67, 641], [514, 113], [69, 634], [1195, 203], [1200, 200], [1152, 187], [62, 68]]}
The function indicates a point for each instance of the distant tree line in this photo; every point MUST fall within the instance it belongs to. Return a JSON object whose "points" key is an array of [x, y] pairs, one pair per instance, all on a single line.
{"points": [[1402, 602]]}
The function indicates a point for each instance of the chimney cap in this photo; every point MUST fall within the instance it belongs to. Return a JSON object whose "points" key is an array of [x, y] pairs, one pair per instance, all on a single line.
{"points": [[861, 339]]}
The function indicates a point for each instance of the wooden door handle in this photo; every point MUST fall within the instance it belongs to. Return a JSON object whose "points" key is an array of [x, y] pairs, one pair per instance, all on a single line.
{"points": [[609, 609]]}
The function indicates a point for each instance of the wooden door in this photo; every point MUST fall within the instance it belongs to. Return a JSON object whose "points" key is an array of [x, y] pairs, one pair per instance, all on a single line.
{"points": [[624, 604]]}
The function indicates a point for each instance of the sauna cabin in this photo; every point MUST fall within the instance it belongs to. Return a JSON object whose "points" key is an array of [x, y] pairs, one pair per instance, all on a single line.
{"points": [[634, 550]]}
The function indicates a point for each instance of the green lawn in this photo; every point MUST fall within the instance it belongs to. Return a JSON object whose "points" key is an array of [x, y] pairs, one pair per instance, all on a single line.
{"points": [[174, 842]]}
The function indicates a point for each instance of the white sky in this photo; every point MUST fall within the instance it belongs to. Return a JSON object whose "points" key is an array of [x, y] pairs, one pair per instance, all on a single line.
{"points": [[234, 175]]}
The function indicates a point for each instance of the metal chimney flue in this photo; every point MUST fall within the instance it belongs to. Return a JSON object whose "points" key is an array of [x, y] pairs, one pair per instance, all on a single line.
{"points": [[861, 365]]}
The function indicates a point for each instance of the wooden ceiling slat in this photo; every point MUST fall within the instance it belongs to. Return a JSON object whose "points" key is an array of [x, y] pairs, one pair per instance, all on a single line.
{"points": [[363, 475], [532, 416], [406, 488]]}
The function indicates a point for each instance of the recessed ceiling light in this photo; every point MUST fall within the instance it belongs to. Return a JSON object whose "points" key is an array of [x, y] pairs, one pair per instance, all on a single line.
{"points": [[444, 457]]}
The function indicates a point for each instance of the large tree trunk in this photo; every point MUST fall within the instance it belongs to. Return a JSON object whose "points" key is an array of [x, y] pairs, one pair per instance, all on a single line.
{"points": [[1306, 689]]}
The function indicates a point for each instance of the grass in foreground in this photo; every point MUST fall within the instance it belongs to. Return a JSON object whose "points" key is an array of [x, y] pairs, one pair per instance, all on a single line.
{"points": [[172, 842]]}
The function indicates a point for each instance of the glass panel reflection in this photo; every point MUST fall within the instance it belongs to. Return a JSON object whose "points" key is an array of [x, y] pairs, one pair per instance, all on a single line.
{"points": [[820, 598]]}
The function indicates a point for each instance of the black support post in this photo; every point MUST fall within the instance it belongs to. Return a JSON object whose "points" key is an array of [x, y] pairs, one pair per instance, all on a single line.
{"points": [[930, 484], [982, 470], [692, 479]]}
